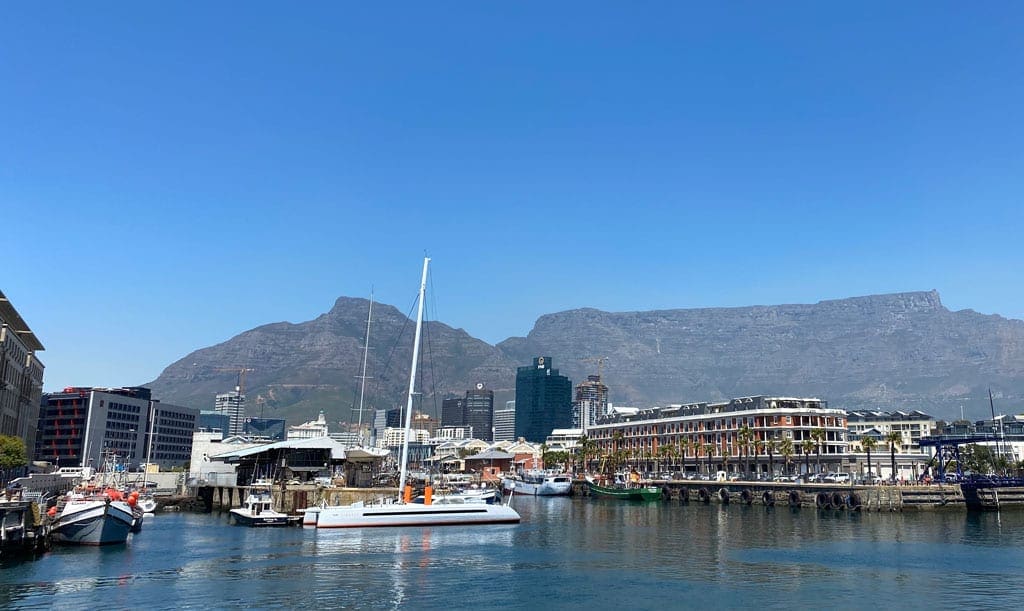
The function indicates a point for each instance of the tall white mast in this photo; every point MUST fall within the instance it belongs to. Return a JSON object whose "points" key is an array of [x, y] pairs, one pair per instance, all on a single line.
{"points": [[412, 380], [362, 384]]}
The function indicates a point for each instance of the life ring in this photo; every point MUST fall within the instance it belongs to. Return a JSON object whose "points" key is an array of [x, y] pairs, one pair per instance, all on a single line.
{"points": [[704, 495], [853, 501], [747, 497], [822, 501], [794, 498], [723, 495], [838, 501], [768, 498]]}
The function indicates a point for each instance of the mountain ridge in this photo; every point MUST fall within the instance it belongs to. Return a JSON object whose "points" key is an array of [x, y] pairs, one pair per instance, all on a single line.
{"points": [[890, 351]]}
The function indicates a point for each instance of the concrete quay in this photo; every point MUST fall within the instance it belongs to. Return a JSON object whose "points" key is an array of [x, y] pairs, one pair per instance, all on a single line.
{"points": [[835, 496]]}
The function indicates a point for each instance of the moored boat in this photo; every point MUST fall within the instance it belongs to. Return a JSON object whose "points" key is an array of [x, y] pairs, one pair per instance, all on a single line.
{"points": [[627, 492], [539, 484], [257, 510], [92, 519], [403, 512]]}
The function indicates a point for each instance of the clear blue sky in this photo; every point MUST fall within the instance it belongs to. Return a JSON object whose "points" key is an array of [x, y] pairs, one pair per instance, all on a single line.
{"points": [[172, 174]]}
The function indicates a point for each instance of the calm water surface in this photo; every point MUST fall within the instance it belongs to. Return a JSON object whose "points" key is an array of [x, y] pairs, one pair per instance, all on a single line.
{"points": [[567, 553]]}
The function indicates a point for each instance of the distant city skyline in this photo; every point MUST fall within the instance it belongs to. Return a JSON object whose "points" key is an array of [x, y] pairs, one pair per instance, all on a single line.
{"points": [[170, 181]]}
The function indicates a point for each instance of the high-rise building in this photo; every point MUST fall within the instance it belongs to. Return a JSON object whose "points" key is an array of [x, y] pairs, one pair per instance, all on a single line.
{"points": [[78, 426], [590, 404], [543, 400], [453, 412], [505, 422], [21, 376], [233, 404], [480, 412]]}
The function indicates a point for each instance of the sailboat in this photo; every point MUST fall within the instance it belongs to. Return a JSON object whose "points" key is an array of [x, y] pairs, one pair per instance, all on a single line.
{"points": [[402, 511]]}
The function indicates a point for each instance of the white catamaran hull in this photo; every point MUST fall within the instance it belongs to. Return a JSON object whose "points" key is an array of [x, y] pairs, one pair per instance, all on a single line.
{"points": [[354, 516], [93, 523]]}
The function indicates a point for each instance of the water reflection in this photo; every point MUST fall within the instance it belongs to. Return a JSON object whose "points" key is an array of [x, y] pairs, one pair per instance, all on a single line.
{"points": [[567, 553]]}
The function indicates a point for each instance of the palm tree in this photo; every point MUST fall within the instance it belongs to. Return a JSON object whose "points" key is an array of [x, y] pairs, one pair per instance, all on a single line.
{"points": [[758, 450], [744, 436], [684, 447], [772, 447], [818, 435], [709, 450], [807, 446], [893, 439], [868, 443], [786, 449], [544, 456]]}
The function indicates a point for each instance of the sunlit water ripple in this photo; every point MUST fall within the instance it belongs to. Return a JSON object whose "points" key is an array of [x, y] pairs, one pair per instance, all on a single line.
{"points": [[567, 553]]}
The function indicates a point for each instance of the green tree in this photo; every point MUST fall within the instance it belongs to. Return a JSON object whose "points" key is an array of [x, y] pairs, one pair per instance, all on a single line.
{"points": [[12, 455], [759, 446], [893, 439], [744, 436], [818, 435], [772, 447], [807, 446], [709, 451], [868, 443], [786, 449]]}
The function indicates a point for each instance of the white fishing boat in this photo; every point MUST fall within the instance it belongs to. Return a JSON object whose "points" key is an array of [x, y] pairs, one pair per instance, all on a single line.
{"points": [[403, 512], [539, 483], [92, 519], [257, 510]]}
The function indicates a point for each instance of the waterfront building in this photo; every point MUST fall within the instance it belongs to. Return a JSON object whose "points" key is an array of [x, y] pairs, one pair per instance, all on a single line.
{"points": [[309, 430], [1008, 432], [21, 376], [911, 426], [564, 440], [505, 422], [80, 424], [233, 405], [543, 400], [590, 403], [480, 412], [726, 436]]}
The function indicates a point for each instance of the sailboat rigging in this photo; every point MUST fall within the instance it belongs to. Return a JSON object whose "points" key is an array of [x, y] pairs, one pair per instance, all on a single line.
{"points": [[402, 512]]}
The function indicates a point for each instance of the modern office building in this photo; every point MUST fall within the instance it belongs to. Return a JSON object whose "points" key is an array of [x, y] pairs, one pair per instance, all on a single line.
{"points": [[273, 429], [233, 404], [210, 420], [543, 400], [505, 422], [480, 412], [710, 435], [591, 402], [80, 425], [21, 376], [453, 412]]}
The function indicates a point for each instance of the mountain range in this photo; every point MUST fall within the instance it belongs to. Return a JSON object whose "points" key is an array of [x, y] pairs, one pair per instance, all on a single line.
{"points": [[885, 352]]}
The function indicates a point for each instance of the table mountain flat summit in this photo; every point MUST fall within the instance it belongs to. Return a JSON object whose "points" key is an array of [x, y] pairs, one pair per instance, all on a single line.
{"points": [[894, 351]]}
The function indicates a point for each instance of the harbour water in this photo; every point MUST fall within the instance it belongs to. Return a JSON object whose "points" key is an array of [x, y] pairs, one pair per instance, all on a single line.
{"points": [[568, 553]]}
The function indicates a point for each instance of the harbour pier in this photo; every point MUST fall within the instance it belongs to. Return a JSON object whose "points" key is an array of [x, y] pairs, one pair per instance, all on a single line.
{"points": [[839, 496]]}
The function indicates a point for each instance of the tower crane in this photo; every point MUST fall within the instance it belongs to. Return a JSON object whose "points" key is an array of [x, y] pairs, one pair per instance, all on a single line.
{"points": [[600, 364], [241, 371]]}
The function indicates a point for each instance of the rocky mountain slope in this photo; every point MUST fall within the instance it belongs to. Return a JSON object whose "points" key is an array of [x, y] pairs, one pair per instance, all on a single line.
{"points": [[897, 351]]}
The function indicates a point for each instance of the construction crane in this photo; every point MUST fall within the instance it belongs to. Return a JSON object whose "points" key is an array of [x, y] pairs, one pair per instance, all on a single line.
{"points": [[241, 371], [600, 364]]}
